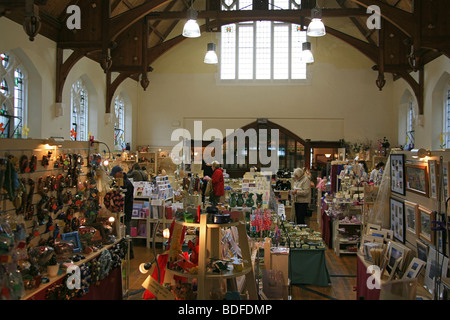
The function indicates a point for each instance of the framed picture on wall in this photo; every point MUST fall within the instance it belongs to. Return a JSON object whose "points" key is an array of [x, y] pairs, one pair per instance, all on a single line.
{"points": [[397, 172], [417, 179], [411, 217], [433, 176], [397, 217], [424, 230]]}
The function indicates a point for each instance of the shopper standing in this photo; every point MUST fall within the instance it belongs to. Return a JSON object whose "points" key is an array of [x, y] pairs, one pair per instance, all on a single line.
{"points": [[117, 173], [218, 185], [377, 173], [137, 174], [302, 194]]}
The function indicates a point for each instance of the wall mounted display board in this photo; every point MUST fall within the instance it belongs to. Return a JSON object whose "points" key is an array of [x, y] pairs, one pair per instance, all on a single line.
{"points": [[397, 216], [398, 173]]}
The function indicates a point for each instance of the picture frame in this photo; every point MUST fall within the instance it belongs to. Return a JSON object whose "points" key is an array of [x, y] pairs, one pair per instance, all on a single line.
{"points": [[397, 218], [417, 179], [397, 173], [411, 211], [424, 227], [433, 177], [369, 239], [394, 258], [73, 237], [415, 267], [437, 267], [422, 250]]}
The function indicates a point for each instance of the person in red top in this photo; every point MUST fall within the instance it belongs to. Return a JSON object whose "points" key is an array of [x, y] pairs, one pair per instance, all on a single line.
{"points": [[218, 187]]}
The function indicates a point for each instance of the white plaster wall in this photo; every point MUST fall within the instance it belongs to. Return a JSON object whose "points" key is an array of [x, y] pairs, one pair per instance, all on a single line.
{"points": [[437, 74], [340, 100], [41, 54]]}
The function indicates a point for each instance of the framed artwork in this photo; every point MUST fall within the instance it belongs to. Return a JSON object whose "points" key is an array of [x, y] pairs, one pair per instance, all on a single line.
{"points": [[424, 230], [433, 175], [414, 269], [397, 173], [397, 215], [437, 267], [417, 179], [411, 217], [73, 237], [422, 250]]}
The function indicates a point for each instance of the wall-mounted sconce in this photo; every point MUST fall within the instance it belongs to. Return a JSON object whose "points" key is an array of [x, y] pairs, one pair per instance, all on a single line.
{"points": [[420, 153]]}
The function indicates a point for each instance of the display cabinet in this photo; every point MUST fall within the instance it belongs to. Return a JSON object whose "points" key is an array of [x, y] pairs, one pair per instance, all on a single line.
{"points": [[210, 248], [346, 237]]}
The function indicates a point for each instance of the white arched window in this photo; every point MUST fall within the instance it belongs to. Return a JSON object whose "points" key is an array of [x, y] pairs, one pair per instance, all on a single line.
{"points": [[12, 97], [261, 50], [119, 123], [410, 125], [79, 112]]}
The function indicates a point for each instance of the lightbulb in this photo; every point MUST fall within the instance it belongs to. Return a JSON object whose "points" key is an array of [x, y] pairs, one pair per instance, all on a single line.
{"points": [[111, 219], [166, 233], [106, 163], [142, 268]]}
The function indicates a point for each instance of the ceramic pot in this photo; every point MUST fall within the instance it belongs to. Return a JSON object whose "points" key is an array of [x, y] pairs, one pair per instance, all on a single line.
{"points": [[233, 201], [249, 202], [240, 200], [259, 199], [53, 270]]}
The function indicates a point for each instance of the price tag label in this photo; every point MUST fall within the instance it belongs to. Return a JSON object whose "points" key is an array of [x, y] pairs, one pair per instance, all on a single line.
{"points": [[159, 291], [281, 211]]}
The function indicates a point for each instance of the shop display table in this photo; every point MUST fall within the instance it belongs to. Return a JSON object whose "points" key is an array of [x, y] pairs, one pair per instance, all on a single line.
{"points": [[109, 288], [363, 292], [308, 266]]}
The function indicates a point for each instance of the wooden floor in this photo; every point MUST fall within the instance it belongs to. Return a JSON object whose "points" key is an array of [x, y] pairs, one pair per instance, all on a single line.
{"points": [[342, 272]]}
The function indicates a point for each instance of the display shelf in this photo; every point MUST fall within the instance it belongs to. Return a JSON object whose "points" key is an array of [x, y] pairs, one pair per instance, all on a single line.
{"points": [[209, 248], [52, 280], [149, 160], [343, 243]]}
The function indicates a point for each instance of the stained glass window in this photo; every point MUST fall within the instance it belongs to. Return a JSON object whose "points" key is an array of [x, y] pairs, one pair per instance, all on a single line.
{"points": [[446, 131], [12, 89], [79, 112], [119, 124], [411, 116], [261, 50]]}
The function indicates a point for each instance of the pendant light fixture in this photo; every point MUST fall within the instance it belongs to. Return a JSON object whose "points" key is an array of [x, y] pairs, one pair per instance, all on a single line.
{"points": [[191, 28], [211, 56], [316, 28], [307, 56]]}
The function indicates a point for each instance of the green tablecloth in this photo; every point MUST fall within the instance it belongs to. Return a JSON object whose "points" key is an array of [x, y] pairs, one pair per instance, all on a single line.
{"points": [[307, 266]]}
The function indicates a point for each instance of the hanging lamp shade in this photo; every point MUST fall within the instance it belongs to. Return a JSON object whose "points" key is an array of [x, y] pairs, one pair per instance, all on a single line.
{"points": [[211, 56], [191, 28], [316, 28], [307, 56]]}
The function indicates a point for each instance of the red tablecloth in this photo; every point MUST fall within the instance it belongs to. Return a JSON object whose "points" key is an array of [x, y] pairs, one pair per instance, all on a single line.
{"points": [[362, 290], [326, 226], [110, 288]]}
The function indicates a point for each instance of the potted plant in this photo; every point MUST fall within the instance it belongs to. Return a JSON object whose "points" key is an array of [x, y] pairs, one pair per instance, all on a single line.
{"points": [[52, 267]]}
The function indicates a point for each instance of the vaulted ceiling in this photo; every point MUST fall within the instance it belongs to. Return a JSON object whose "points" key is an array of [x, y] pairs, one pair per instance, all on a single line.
{"points": [[127, 36]]}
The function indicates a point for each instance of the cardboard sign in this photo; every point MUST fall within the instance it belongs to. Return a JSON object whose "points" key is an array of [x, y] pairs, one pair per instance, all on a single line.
{"points": [[159, 291]]}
